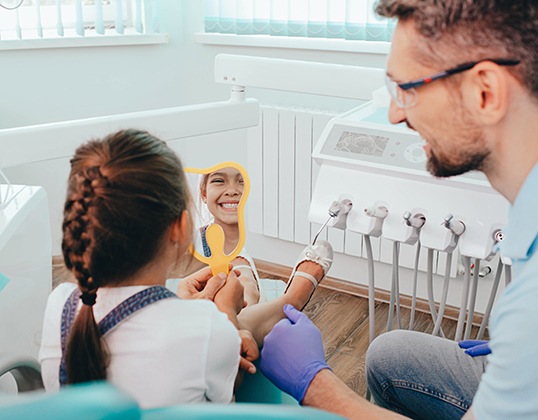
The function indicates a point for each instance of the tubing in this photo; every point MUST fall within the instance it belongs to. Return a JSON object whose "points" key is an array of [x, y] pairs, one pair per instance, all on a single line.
{"points": [[472, 302], [493, 293], [371, 288], [437, 327], [464, 298], [414, 297]]}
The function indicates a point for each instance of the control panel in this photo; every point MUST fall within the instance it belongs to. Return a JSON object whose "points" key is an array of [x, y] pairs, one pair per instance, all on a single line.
{"points": [[364, 136]]}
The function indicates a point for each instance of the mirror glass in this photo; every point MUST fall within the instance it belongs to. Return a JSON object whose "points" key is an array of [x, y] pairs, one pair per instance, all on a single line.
{"points": [[219, 194]]}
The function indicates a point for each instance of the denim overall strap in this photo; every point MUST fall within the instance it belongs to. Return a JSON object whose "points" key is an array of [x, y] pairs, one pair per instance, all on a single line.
{"points": [[113, 318], [68, 317], [133, 304], [207, 250]]}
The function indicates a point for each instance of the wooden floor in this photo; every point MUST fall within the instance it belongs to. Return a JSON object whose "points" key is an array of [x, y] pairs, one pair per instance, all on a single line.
{"points": [[343, 320]]}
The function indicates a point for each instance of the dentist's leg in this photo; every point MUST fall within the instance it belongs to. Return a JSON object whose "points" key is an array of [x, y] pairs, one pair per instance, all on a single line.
{"points": [[422, 376]]}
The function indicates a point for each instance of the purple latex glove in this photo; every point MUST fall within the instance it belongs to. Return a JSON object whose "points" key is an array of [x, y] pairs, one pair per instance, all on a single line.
{"points": [[475, 347], [292, 353]]}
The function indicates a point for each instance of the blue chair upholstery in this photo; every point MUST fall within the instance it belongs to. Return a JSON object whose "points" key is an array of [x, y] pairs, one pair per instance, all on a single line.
{"points": [[89, 401], [238, 412], [258, 389], [102, 400]]}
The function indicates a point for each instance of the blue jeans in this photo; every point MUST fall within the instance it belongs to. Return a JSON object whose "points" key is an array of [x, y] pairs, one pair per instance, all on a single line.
{"points": [[422, 376]]}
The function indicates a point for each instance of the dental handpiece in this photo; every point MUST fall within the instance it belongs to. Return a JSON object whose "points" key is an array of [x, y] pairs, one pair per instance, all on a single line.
{"points": [[379, 212]]}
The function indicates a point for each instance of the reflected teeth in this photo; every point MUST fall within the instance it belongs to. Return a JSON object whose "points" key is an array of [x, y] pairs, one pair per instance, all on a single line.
{"points": [[229, 205]]}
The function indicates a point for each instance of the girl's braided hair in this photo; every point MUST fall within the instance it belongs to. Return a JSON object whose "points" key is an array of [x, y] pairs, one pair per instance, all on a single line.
{"points": [[124, 192]]}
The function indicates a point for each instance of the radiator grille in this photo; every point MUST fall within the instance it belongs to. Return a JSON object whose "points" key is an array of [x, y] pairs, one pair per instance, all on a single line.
{"points": [[283, 173]]}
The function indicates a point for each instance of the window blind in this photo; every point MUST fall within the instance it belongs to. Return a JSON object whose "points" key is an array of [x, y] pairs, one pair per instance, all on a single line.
{"points": [[346, 19], [64, 18]]}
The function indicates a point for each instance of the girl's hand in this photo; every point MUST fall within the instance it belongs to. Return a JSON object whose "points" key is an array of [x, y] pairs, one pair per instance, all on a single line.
{"points": [[201, 285], [249, 352], [230, 297]]}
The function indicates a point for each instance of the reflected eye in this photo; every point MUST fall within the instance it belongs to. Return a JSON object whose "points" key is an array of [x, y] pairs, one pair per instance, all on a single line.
{"points": [[217, 181]]}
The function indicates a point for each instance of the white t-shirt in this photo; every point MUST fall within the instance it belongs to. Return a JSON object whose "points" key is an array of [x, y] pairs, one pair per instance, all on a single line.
{"points": [[169, 352]]}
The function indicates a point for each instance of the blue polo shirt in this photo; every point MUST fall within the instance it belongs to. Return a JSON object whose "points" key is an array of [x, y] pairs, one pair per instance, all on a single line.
{"points": [[509, 387]]}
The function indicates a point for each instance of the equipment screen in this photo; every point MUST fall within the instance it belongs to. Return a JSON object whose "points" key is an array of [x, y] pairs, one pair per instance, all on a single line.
{"points": [[361, 144]]}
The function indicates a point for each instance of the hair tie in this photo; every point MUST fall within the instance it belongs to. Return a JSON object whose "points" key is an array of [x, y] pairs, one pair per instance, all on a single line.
{"points": [[89, 298]]}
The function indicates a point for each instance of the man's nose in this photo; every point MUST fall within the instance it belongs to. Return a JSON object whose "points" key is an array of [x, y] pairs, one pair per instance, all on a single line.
{"points": [[396, 114]]}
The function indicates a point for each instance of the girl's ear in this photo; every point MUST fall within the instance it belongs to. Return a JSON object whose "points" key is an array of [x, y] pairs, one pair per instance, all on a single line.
{"points": [[185, 225], [180, 230]]}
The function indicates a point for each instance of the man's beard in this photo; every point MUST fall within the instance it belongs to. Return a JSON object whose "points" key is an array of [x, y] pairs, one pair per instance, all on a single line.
{"points": [[471, 156], [470, 162]]}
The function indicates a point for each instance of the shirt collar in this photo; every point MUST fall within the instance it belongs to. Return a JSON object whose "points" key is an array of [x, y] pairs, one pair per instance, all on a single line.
{"points": [[522, 227]]}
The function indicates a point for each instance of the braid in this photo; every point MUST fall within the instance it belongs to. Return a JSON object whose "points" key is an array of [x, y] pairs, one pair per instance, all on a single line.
{"points": [[124, 192], [85, 347], [79, 221]]}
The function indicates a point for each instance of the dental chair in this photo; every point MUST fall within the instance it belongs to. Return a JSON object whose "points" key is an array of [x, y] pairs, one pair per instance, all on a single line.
{"points": [[89, 401], [25, 371], [237, 411], [101, 400]]}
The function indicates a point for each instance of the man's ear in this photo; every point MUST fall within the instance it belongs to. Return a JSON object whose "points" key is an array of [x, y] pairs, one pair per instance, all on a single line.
{"points": [[489, 90]]}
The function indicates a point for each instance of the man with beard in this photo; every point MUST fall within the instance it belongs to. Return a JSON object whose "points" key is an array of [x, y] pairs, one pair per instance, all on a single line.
{"points": [[464, 74]]}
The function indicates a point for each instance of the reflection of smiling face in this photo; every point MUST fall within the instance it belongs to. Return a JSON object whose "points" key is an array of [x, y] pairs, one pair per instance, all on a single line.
{"points": [[222, 193]]}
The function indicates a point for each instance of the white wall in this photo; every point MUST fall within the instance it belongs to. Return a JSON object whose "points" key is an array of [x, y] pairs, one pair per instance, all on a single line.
{"points": [[58, 84], [86, 82], [201, 68]]}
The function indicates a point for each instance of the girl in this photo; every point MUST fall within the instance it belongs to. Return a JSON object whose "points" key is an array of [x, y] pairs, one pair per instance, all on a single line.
{"points": [[126, 223]]}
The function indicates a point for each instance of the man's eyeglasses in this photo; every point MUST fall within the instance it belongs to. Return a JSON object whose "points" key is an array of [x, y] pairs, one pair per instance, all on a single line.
{"points": [[405, 95]]}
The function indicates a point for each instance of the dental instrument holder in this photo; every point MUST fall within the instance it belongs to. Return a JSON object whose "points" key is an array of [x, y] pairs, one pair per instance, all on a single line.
{"points": [[415, 222], [498, 236], [338, 211], [378, 214], [456, 227]]}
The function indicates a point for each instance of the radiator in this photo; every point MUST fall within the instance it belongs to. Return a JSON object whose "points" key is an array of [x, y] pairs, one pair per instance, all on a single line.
{"points": [[283, 174]]}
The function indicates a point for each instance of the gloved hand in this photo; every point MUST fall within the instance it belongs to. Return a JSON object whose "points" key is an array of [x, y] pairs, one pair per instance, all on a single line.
{"points": [[292, 353], [475, 347]]}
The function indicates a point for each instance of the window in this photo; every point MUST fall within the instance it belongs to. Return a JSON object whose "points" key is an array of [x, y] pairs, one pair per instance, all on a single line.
{"points": [[45, 19], [344, 19]]}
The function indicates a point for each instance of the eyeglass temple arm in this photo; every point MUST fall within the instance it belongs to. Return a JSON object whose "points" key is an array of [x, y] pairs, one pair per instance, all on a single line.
{"points": [[433, 77], [445, 73]]}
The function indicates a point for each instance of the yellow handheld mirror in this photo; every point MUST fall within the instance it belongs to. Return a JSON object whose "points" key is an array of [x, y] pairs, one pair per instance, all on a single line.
{"points": [[219, 193]]}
